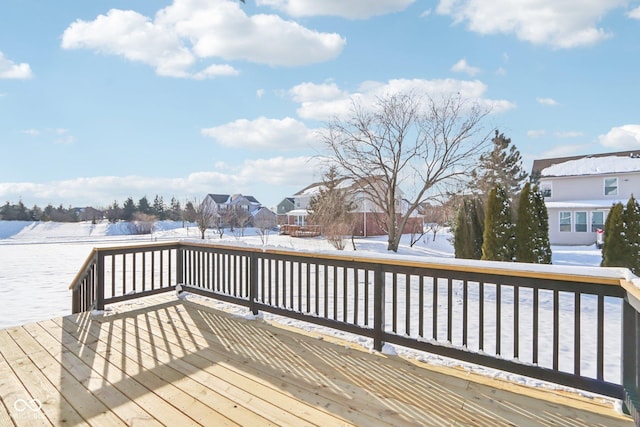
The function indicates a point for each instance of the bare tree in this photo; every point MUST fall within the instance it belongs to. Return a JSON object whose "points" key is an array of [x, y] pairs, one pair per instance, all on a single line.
{"points": [[205, 217], [408, 141]]}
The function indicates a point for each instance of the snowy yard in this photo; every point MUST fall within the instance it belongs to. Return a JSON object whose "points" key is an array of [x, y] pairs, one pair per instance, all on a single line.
{"points": [[39, 261]]}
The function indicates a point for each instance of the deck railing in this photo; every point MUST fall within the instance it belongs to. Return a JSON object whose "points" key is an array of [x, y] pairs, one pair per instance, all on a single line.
{"points": [[578, 330]]}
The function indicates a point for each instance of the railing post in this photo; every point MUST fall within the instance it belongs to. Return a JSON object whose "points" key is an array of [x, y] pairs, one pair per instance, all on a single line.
{"points": [[179, 265], [253, 283], [100, 281], [631, 358], [378, 308]]}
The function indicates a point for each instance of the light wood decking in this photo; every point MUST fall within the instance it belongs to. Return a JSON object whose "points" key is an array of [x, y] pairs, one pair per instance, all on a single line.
{"points": [[163, 361]]}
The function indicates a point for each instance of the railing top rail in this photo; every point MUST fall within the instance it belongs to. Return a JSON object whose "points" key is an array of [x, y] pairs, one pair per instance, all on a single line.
{"points": [[612, 276], [87, 263], [598, 275]]}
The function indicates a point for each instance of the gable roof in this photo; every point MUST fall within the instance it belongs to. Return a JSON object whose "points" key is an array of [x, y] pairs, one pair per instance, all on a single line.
{"points": [[589, 164], [219, 198]]}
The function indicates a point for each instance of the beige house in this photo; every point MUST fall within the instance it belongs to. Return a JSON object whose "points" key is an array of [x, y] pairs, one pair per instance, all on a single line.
{"points": [[579, 192]]}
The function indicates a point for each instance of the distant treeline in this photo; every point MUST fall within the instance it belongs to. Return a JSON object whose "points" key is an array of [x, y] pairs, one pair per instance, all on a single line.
{"points": [[129, 211]]}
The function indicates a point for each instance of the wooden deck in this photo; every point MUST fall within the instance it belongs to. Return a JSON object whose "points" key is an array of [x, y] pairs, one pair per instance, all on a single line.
{"points": [[163, 361]]}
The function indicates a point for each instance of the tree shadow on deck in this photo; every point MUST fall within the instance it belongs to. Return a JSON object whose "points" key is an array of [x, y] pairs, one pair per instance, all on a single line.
{"points": [[181, 358]]}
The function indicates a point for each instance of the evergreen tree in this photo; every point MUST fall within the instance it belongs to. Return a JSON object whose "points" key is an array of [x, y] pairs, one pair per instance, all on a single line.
{"points": [[532, 228], [128, 209], [543, 245], [175, 212], [158, 208], [502, 166], [631, 221], [332, 209], [144, 206], [113, 214], [614, 247], [190, 214], [498, 238], [468, 229]]}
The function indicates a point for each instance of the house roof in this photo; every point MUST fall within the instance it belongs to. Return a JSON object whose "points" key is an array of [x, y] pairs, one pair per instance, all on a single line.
{"points": [[226, 198], [219, 198], [345, 183], [590, 164]]}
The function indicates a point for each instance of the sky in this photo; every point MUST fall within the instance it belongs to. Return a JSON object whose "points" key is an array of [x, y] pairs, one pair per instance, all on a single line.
{"points": [[105, 100]]}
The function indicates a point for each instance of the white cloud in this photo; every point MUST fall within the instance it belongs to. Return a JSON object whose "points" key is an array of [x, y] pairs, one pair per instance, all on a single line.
{"points": [[568, 134], [262, 134], [299, 171], [625, 137], [11, 70], [635, 13], [561, 24], [326, 101], [534, 134], [60, 135], [351, 9], [547, 101], [463, 67], [257, 177], [183, 34]]}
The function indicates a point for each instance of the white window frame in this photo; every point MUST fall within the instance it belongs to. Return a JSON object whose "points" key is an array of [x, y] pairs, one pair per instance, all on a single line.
{"points": [[613, 188], [599, 225], [560, 224], [581, 227], [546, 186]]}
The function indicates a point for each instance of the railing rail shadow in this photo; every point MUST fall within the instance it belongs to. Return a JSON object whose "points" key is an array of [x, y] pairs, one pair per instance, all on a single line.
{"points": [[578, 330]]}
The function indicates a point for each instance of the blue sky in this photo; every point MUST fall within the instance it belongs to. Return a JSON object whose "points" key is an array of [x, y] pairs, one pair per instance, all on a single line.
{"points": [[100, 101]]}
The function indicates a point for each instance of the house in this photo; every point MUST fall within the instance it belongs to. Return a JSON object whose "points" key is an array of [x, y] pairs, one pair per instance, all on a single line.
{"points": [[285, 206], [369, 220], [229, 209], [580, 190], [265, 219]]}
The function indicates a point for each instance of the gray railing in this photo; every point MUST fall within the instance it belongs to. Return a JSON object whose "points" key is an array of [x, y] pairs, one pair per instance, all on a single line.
{"points": [[580, 329]]}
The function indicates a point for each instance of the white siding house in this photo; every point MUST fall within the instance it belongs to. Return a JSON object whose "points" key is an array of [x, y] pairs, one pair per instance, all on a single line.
{"points": [[579, 192]]}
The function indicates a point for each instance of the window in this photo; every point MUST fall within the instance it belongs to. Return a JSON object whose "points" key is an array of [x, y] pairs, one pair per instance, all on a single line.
{"points": [[299, 220], [545, 189], [565, 221], [581, 222], [611, 186], [597, 221]]}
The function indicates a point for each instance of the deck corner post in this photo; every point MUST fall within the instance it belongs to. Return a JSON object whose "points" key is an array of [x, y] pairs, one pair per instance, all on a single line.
{"points": [[100, 282], [253, 283], [631, 359], [378, 308]]}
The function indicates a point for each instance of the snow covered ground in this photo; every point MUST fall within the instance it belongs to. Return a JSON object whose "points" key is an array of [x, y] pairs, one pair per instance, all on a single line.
{"points": [[38, 261]]}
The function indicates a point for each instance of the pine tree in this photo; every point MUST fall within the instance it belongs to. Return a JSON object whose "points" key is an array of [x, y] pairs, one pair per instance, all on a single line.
{"points": [[501, 166], [543, 245], [332, 209], [144, 206], [468, 229], [498, 238], [631, 220], [128, 209], [525, 227], [614, 246], [532, 228]]}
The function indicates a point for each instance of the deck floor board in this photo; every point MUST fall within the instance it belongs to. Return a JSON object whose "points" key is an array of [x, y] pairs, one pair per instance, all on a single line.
{"points": [[164, 361]]}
